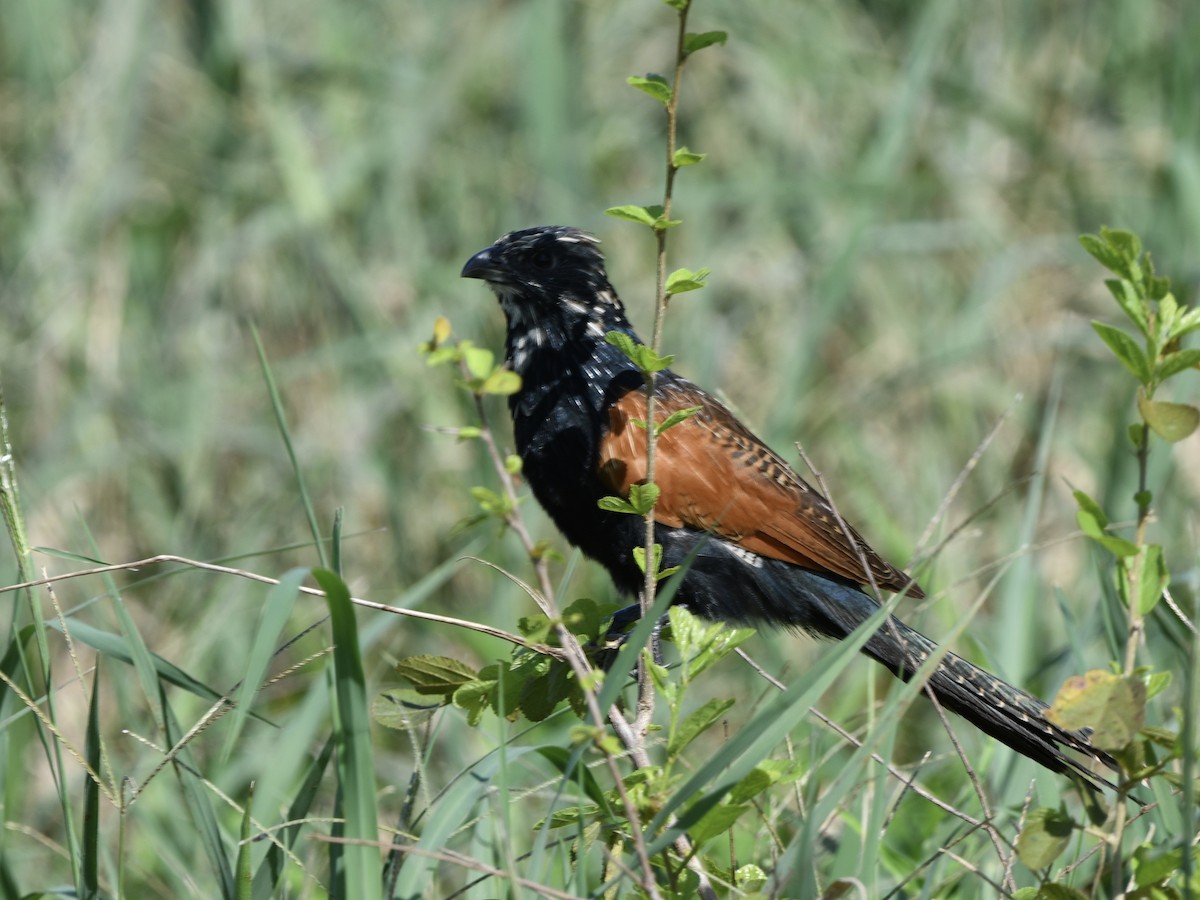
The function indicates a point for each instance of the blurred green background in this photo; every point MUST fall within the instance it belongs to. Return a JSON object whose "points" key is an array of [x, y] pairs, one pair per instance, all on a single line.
{"points": [[889, 206]]}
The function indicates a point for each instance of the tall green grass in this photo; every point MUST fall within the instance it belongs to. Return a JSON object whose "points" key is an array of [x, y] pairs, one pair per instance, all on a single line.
{"points": [[889, 208]]}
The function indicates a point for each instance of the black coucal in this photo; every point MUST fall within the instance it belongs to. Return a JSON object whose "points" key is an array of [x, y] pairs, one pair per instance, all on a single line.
{"points": [[768, 548]]}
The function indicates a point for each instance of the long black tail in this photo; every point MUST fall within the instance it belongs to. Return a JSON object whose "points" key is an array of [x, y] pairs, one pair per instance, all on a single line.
{"points": [[781, 594], [995, 707]]}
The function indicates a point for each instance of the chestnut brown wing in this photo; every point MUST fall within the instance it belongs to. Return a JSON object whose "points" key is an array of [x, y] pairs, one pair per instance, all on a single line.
{"points": [[716, 476]]}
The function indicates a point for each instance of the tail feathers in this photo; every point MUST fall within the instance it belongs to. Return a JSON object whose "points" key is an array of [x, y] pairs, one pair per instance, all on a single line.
{"points": [[802, 599], [778, 593], [995, 707]]}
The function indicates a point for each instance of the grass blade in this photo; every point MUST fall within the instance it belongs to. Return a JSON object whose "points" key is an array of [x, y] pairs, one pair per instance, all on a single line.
{"points": [[280, 600], [355, 759]]}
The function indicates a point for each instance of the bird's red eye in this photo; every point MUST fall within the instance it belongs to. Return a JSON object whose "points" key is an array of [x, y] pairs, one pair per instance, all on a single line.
{"points": [[542, 259]]}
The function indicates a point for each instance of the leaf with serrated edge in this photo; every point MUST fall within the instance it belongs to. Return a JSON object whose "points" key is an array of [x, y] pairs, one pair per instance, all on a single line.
{"points": [[624, 343], [435, 674], [1125, 349]]}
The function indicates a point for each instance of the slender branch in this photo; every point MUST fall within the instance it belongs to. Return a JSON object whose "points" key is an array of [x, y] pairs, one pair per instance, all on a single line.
{"points": [[645, 706], [574, 655]]}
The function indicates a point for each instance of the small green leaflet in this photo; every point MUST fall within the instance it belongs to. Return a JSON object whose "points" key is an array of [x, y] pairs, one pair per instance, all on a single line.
{"points": [[694, 42], [654, 85], [680, 415], [683, 280], [644, 215], [639, 354], [685, 157], [1125, 349]]}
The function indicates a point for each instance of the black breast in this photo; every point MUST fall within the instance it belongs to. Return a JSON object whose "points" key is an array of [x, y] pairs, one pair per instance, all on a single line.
{"points": [[559, 418]]}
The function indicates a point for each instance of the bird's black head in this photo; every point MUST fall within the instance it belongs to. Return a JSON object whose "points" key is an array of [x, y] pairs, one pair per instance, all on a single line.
{"points": [[552, 286]]}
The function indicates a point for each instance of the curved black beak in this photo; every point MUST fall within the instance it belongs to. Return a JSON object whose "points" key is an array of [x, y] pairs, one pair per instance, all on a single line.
{"points": [[483, 265]]}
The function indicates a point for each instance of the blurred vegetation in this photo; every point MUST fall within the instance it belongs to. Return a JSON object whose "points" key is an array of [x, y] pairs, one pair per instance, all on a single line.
{"points": [[889, 208]]}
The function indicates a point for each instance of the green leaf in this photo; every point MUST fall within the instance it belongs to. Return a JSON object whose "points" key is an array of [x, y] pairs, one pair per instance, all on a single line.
{"points": [[750, 878], [540, 696], [1156, 683], [649, 361], [642, 497], [513, 464], [1113, 706], [632, 213], [1170, 421], [402, 709], [501, 382], [1168, 315], [1188, 322], [1126, 350], [645, 215], [639, 557], [1125, 244], [1172, 363], [1130, 301], [1092, 523], [1150, 870], [694, 42], [475, 698], [1092, 508], [684, 157], [716, 822], [478, 360], [682, 280], [1044, 836], [622, 342], [1052, 891], [441, 333], [654, 85], [1153, 578], [1103, 254], [680, 415], [616, 504], [639, 354], [443, 355], [584, 616], [697, 723], [490, 502], [680, 5], [659, 571], [435, 674]]}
